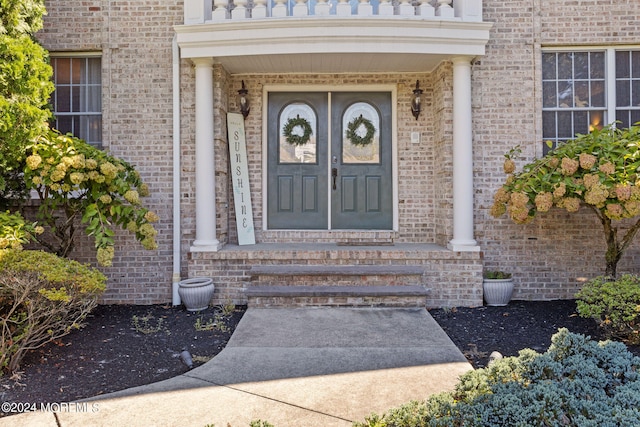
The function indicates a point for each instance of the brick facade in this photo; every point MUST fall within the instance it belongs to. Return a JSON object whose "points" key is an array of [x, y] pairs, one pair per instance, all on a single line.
{"points": [[546, 256]]}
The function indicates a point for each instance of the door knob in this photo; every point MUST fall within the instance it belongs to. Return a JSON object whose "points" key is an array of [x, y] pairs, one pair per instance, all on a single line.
{"points": [[334, 175]]}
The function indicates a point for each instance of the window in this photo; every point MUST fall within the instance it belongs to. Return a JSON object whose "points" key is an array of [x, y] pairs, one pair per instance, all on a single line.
{"points": [[583, 90], [77, 99], [628, 87]]}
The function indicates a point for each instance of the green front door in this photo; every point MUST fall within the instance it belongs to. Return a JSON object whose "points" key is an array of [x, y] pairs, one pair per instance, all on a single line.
{"points": [[339, 174]]}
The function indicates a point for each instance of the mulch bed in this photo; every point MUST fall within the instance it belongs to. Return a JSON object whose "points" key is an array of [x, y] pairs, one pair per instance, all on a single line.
{"points": [[127, 346], [479, 331]]}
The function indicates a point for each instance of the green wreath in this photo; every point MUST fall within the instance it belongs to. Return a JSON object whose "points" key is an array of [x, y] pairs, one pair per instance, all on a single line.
{"points": [[295, 139], [352, 131]]}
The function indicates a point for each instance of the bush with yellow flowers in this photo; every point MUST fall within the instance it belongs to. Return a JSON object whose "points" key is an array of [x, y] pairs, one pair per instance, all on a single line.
{"points": [[600, 171], [42, 298], [75, 180]]}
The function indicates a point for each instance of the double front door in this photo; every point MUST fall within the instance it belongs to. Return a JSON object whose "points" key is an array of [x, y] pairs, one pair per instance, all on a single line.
{"points": [[329, 161]]}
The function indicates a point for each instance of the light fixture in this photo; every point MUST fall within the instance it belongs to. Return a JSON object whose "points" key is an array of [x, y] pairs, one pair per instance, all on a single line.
{"points": [[416, 100], [243, 100]]}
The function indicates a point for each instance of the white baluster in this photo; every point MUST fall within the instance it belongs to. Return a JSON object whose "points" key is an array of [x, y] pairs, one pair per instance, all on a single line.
{"points": [[385, 8], [221, 11], [240, 11], [300, 8], [280, 9], [365, 8], [259, 9], [406, 9], [343, 8], [322, 8], [444, 9], [197, 11], [425, 9]]}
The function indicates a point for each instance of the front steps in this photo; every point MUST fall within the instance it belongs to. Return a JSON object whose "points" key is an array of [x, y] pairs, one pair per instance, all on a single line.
{"points": [[453, 279], [336, 285]]}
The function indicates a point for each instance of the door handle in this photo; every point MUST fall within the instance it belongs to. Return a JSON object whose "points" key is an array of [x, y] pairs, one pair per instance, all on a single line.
{"points": [[334, 175]]}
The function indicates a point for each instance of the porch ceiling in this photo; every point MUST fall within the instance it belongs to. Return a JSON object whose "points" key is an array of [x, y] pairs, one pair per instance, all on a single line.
{"points": [[317, 45]]}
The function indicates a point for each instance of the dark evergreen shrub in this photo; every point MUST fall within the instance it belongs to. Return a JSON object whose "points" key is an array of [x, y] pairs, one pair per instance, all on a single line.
{"points": [[576, 382]]}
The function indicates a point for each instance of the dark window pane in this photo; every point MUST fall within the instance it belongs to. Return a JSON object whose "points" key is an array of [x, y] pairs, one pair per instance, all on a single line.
{"points": [[548, 125], [549, 95], [581, 98], [597, 65], [622, 65], [622, 116], [565, 125], [64, 124], [622, 93], [581, 65], [63, 98], [635, 117], [635, 64], [565, 94], [565, 66], [598, 98], [548, 66], [76, 92], [580, 122], [635, 93]]}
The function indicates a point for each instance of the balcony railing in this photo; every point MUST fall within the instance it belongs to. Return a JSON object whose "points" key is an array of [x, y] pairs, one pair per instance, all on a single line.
{"points": [[207, 11]]}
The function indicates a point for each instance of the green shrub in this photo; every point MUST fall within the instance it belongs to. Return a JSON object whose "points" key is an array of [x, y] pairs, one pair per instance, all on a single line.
{"points": [[576, 382], [42, 298], [14, 231], [614, 304]]}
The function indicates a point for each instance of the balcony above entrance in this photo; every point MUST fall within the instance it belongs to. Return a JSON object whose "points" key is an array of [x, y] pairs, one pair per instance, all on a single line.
{"points": [[326, 36]]}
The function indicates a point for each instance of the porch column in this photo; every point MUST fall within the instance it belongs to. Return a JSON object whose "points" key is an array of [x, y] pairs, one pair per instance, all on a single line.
{"points": [[205, 160], [463, 239]]}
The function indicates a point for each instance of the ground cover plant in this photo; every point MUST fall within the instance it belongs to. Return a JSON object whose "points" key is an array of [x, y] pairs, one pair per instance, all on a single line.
{"points": [[598, 171], [576, 382], [614, 304]]}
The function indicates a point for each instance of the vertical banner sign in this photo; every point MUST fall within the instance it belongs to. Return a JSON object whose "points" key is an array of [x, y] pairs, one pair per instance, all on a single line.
{"points": [[240, 179]]}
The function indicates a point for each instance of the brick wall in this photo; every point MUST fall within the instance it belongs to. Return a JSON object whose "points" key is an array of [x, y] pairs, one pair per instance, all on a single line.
{"points": [[134, 38], [546, 256], [550, 256]]}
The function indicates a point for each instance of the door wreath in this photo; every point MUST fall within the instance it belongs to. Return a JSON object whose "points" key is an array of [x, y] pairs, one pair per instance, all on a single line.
{"points": [[359, 136], [297, 131]]}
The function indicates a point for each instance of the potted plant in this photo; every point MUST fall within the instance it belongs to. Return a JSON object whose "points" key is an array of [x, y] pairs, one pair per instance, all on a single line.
{"points": [[497, 287]]}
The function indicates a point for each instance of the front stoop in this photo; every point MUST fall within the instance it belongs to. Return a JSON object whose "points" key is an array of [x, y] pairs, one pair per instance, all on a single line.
{"points": [[454, 279], [336, 285]]}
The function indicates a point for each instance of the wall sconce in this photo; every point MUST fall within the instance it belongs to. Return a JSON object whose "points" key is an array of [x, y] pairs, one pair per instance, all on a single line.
{"points": [[243, 101], [416, 100]]}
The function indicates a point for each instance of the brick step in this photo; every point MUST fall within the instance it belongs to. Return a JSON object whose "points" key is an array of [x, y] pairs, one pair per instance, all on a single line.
{"points": [[336, 270], [336, 275], [349, 296]]}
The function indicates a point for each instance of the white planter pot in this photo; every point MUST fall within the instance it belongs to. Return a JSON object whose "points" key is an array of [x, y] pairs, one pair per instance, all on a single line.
{"points": [[497, 292], [196, 293]]}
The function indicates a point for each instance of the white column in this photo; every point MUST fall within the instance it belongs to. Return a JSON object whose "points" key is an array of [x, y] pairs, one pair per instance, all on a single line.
{"points": [[205, 160], [462, 158]]}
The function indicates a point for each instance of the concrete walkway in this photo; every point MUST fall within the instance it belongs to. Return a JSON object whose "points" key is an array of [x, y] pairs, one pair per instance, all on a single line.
{"points": [[293, 367]]}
